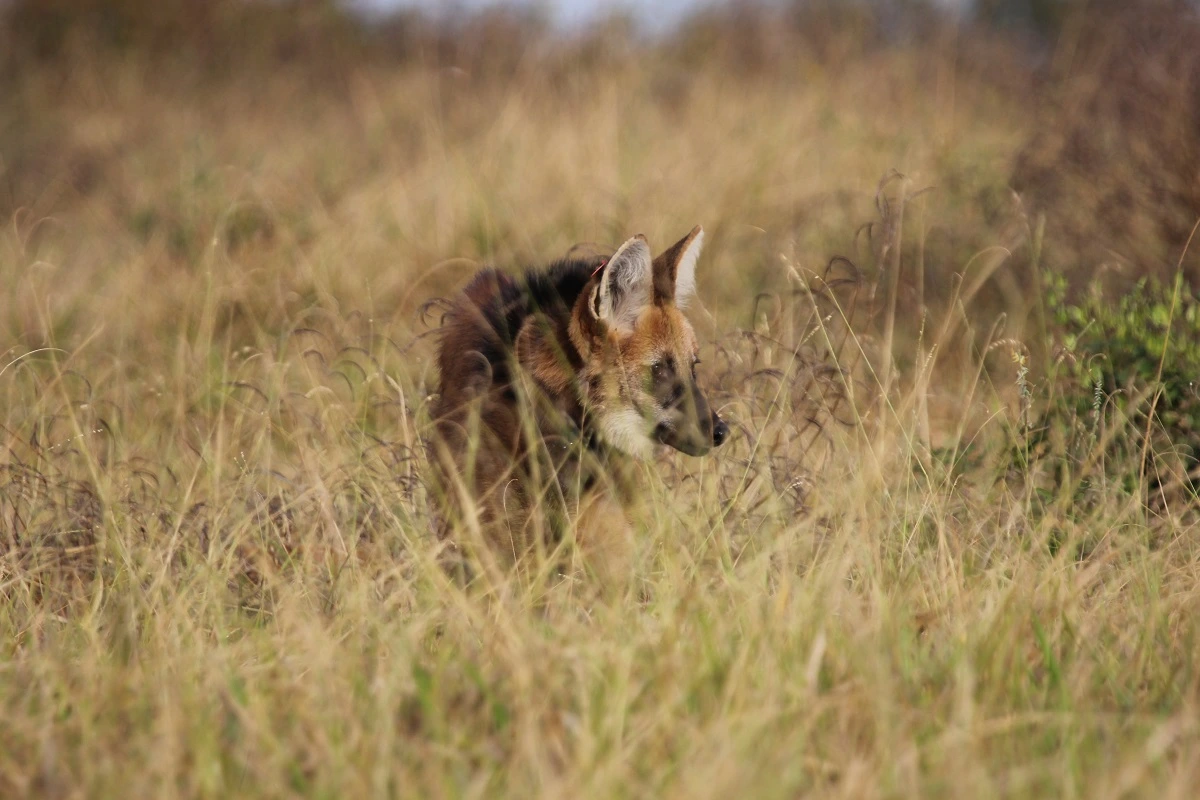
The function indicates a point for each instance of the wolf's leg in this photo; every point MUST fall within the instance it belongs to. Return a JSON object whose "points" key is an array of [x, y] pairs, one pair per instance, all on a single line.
{"points": [[604, 540]]}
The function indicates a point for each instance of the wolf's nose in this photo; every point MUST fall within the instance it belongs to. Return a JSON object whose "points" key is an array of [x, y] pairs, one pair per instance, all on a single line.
{"points": [[720, 431]]}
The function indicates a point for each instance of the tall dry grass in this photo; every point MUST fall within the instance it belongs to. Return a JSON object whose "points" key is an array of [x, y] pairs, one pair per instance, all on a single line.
{"points": [[216, 564]]}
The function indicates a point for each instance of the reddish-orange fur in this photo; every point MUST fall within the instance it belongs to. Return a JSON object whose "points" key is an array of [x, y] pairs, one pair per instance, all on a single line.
{"points": [[552, 384]]}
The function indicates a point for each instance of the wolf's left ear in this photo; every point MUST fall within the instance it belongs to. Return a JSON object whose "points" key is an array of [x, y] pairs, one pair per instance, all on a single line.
{"points": [[675, 270], [624, 290]]}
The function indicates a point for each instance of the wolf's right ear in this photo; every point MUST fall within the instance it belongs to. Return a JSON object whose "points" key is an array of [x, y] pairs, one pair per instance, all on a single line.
{"points": [[675, 270], [625, 285]]}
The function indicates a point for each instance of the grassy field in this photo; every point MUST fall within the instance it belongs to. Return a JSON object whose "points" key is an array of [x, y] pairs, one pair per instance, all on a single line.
{"points": [[912, 572]]}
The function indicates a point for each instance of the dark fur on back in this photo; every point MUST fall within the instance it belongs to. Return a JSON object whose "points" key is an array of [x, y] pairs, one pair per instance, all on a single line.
{"points": [[489, 314], [480, 433]]}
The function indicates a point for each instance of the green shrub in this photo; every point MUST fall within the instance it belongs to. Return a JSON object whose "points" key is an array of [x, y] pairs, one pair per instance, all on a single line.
{"points": [[1124, 342], [1131, 360]]}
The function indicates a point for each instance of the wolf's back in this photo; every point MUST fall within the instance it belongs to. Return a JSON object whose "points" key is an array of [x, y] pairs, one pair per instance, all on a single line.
{"points": [[486, 317], [478, 442]]}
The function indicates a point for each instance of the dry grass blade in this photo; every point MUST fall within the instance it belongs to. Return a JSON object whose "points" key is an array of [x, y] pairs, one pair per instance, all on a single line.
{"points": [[925, 564]]}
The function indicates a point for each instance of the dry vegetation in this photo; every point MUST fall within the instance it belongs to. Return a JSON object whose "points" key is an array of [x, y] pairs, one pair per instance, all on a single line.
{"points": [[905, 576]]}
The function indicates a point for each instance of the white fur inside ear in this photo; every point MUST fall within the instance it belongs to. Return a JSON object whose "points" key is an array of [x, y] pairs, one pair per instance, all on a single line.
{"points": [[685, 277], [625, 285]]}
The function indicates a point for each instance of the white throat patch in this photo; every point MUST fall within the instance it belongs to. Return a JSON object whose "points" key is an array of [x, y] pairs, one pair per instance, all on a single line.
{"points": [[626, 431]]}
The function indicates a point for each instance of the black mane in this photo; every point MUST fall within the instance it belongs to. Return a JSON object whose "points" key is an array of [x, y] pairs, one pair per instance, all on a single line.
{"points": [[552, 290], [506, 302]]}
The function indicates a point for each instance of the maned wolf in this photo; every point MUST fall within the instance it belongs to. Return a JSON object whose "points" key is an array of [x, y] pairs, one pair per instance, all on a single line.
{"points": [[553, 383]]}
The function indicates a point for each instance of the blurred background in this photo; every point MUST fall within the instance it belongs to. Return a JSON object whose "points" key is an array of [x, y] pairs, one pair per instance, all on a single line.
{"points": [[947, 306], [365, 156]]}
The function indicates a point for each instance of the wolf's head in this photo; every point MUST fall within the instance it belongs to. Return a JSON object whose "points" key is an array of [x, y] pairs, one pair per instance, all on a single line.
{"points": [[640, 352]]}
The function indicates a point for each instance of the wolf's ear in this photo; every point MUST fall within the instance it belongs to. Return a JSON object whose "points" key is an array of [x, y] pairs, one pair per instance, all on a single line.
{"points": [[625, 285], [675, 270]]}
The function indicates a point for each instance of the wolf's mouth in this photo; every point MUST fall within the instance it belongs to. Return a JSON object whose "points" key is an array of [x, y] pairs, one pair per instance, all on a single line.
{"points": [[693, 445]]}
